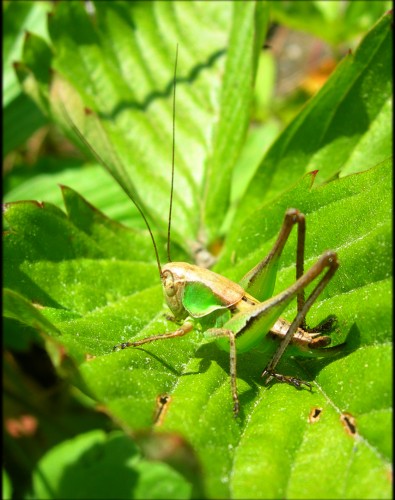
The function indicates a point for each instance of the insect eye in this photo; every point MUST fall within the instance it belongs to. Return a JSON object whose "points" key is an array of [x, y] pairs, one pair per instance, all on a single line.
{"points": [[168, 284]]}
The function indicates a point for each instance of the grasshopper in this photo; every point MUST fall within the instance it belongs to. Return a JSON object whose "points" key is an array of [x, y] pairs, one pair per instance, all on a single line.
{"points": [[240, 314], [237, 315]]}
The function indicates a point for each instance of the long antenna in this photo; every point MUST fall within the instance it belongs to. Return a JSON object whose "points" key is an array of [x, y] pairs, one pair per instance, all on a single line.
{"points": [[173, 151], [119, 177]]}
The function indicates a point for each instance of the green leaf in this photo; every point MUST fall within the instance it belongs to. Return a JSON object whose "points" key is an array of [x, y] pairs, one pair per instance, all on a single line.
{"points": [[335, 22], [96, 281], [91, 181], [96, 465], [94, 57], [17, 307], [246, 39], [100, 303], [20, 120], [6, 487], [19, 17], [343, 129], [21, 117]]}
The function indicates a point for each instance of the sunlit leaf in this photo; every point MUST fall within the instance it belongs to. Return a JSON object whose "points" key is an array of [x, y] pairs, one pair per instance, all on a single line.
{"points": [[90, 283], [343, 129]]}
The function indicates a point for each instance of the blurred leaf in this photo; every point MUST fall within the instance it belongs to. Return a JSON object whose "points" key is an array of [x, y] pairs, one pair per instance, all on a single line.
{"points": [[18, 18], [21, 117], [246, 39], [334, 22], [258, 141], [20, 120], [17, 336], [343, 129], [264, 87], [96, 465], [16, 307], [359, 16], [6, 487]]}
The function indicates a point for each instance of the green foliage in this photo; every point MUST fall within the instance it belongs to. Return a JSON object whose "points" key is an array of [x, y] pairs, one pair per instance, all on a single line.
{"points": [[21, 116], [99, 465], [87, 282], [343, 130], [6, 487], [335, 22]]}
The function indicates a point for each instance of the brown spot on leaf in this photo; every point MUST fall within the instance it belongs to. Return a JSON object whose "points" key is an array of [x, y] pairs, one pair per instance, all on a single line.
{"points": [[315, 415], [162, 404], [349, 423], [37, 305]]}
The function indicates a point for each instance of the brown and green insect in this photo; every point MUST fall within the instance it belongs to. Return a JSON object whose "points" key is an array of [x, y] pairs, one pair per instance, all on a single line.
{"points": [[237, 315]]}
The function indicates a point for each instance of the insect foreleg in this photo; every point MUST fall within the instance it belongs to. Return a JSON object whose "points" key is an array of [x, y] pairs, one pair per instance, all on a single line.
{"points": [[223, 332], [327, 260], [180, 332]]}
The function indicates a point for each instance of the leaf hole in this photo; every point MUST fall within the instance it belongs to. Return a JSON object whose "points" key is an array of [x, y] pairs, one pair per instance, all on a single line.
{"points": [[315, 414], [162, 405], [349, 423]]}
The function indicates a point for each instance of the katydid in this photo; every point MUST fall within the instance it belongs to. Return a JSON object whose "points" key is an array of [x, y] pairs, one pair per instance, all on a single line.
{"points": [[237, 315], [239, 320]]}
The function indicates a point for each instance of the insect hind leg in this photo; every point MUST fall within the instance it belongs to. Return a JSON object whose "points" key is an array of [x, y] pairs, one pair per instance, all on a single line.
{"points": [[327, 260], [260, 281]]}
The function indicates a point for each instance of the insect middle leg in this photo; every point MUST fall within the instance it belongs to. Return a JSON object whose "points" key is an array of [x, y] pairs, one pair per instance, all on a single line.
{"points": [[223, 332]]}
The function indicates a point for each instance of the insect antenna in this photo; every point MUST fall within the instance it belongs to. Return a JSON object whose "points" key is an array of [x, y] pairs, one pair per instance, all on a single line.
{"points": [[121, 177], [172, 159]]}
